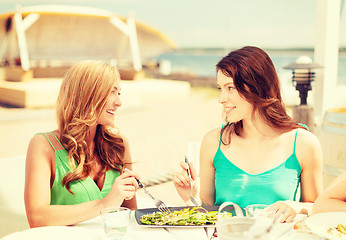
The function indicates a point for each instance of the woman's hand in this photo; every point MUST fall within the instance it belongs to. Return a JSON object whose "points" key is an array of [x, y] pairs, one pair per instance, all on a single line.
{"points": [[182, 182], [283, 211], [124, 188]]}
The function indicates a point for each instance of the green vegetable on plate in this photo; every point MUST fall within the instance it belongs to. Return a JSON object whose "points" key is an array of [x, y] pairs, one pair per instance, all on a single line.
{"points": [[183, 217]]}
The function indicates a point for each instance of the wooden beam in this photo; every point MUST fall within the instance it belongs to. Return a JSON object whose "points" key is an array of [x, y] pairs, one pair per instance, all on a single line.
{"points": [[118, 23], [23, 48], [30, 20], [137, 63]]}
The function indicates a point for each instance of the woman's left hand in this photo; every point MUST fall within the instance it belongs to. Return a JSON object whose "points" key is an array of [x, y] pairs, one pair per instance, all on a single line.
{"points": [[283, 211]]}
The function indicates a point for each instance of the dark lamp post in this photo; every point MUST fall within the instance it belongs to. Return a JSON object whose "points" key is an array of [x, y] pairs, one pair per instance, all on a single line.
{"points": [[303, 75]]}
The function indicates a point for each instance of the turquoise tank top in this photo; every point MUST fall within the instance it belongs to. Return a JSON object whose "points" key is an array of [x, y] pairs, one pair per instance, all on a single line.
{"points": [[84, 190], [235, 185]]}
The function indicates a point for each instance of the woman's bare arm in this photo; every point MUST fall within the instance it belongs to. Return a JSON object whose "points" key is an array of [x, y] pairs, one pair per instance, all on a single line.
{"points": [[209, 147], [333, 199]]}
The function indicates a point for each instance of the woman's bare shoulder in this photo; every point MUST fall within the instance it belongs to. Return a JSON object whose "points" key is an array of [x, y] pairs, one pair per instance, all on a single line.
{"points": [[42, 144], [39, 140], [210, 143], [308, 148], [307, 138], [212, 136], [39, 148]]}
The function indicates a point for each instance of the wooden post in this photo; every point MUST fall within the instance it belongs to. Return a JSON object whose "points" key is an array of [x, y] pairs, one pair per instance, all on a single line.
{"points": [[21, 26], [118, 23], [326, 54], [23, 48], [4, 47], [11, 49], [137, 64], [304, 114]]}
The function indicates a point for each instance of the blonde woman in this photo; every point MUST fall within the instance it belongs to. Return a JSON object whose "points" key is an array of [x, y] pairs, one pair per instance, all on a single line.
{"points": [[75, 171]]}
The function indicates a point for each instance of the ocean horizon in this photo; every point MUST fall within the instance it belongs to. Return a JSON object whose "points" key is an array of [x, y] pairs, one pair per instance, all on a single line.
{"points": [[201, 61]]}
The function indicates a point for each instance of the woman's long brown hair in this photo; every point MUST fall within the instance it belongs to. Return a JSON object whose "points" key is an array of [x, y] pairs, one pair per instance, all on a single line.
{"points": [[82, 97], [256, 80]]}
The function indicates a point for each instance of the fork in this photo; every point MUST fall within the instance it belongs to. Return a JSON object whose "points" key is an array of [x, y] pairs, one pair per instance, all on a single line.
{"points": [[158, 203], [193, 200]]}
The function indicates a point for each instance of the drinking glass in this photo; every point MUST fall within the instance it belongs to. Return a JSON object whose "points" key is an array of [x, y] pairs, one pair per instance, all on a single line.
{"points": [[115, 221], [241, 227], [255, 210]]}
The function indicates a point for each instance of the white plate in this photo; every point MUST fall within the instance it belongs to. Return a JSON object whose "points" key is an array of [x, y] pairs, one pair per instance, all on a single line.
{"points": [[321, 222], [140, 212]]}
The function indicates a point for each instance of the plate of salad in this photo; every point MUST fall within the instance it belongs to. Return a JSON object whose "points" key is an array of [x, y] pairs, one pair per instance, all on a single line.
{"points": [[330, 225], [178, 217]]}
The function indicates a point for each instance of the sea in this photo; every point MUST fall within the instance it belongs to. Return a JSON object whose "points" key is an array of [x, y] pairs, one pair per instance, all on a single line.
{"points": [[201, 62]]}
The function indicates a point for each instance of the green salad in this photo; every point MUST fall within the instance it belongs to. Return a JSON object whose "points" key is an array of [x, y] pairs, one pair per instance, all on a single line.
{"points": [[339, 230], [183, 217]]}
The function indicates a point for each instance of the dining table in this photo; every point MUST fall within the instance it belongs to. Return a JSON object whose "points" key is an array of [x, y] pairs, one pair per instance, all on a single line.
{"points": [[93, 230]]}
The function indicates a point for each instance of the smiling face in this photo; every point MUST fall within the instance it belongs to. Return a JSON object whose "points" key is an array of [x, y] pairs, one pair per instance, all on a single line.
{"points": [[113, 102], [235, 106]]}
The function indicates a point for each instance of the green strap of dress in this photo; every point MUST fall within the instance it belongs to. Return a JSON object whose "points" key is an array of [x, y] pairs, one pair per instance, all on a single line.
{"points": [[83, 190]]}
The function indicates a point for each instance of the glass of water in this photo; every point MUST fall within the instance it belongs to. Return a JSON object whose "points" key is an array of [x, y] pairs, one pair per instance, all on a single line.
{"points": [[255, 210], [115, 222], [240, 227]]}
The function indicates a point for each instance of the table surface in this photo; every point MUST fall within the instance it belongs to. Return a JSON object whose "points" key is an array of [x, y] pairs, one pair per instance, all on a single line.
{"points": [[93, 230]]}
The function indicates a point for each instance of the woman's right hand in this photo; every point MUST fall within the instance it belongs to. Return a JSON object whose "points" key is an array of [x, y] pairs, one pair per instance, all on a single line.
{"points": [[182, 182], [124, 188]]}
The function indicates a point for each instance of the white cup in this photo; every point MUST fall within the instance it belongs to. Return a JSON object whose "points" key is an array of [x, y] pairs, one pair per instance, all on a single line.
{"points": [[115, 222]]}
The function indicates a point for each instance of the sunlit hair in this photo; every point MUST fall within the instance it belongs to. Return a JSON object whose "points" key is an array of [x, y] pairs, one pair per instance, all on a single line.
{"points": [[82, 97], [256, 80]]}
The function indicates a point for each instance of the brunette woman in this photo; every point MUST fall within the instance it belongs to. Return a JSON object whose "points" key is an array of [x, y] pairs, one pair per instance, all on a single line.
{"points": [[260, 155]]}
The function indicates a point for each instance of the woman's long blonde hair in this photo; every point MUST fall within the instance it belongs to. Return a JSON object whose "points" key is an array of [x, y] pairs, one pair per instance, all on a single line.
{"points": [[82, 97]]}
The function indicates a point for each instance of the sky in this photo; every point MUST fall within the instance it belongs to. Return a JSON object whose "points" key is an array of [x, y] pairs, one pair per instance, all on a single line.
{"points": [[216, 23]]}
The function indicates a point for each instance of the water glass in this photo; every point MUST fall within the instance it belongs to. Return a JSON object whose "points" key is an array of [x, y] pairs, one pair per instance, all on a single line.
{"points": [[115, 221], [241, 227], [255, 210]]}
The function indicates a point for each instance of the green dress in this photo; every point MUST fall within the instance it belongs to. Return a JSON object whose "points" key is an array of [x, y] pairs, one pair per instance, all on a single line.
{"points": [[83, 190]]}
